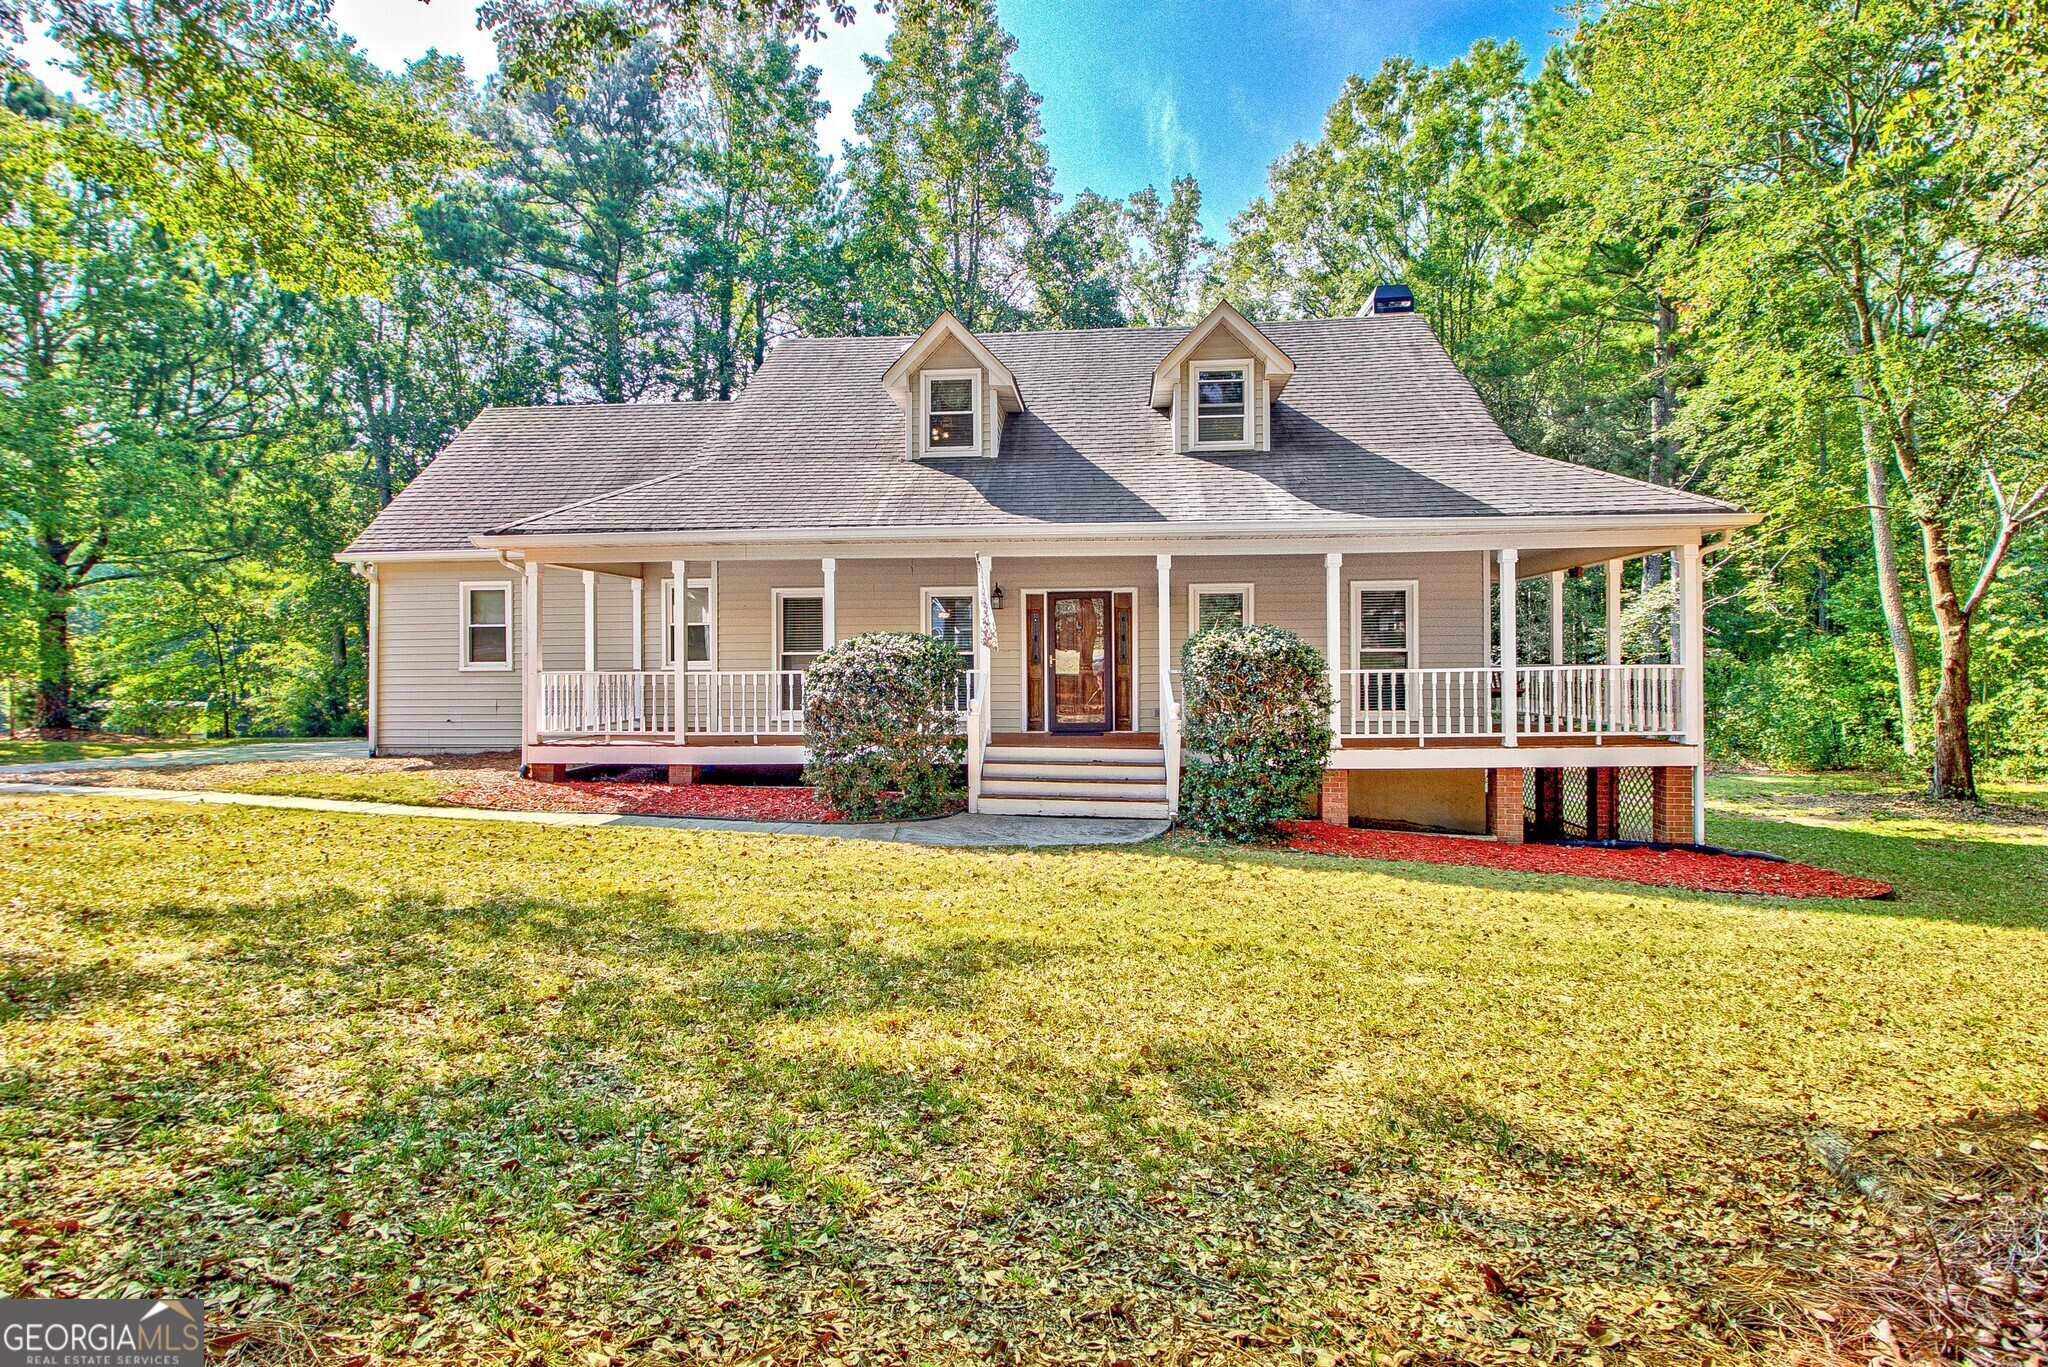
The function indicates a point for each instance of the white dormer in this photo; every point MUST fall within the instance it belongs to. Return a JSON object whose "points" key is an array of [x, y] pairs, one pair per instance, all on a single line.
{"points": [[953, 392], [1219, 384]]}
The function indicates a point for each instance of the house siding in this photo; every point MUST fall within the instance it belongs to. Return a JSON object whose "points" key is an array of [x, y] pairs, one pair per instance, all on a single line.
{"points": [[426, 703]]}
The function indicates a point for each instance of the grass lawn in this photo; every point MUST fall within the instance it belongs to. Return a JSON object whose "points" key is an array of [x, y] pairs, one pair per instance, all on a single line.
{"points": [[408, 1088], [420, 781]]}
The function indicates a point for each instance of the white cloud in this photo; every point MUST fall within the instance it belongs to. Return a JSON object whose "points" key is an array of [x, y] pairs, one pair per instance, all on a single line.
{"points": [[1172, 144], [394, 32], [842, 76]]}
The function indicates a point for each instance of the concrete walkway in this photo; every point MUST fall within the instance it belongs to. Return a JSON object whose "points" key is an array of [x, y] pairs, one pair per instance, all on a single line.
{"points": [[269, 751], [963, 831]]}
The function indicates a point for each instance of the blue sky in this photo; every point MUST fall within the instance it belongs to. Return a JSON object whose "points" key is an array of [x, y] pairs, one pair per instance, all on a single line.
{"points": [[1134, 93]]}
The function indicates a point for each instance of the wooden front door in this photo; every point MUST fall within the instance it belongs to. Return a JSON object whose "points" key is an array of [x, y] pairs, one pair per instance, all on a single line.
{"points": [[1081, 659]]}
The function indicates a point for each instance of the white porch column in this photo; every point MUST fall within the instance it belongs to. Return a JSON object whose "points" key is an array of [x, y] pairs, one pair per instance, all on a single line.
{"points": [[529, 630], [371, 662], [984, 579], [639, 622], [1558, 655], [1510, 662], [589, 621], [1693, 615], [1333, 637], [1164, 566], [831, 613], [678, 613], [1613, 606]]}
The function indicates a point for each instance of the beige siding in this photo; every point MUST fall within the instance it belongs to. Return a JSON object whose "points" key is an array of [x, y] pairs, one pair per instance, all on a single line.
{"points": [[426, 702]]}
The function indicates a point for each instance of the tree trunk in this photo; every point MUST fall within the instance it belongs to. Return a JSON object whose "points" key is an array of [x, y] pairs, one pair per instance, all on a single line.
{"points": [[1953, 774], [52, 705], [1890, 591]]}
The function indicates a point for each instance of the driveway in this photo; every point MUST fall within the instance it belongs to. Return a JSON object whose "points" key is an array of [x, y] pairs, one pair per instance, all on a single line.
{"points": [[272, 751]]}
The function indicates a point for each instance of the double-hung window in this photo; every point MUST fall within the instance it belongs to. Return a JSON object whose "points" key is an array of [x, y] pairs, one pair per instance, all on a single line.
{"points": [[1213, 606], [799, 640], [696, 623], [1384, 621], [486, 626], [952, 412], [949, 615], [1222, 405]]}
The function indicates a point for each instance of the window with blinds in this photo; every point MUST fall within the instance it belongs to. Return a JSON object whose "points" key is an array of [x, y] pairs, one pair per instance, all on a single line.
{"points": [[1219, 609], [803, 632], [1220, 405], [1385, 643], [951, 619]]}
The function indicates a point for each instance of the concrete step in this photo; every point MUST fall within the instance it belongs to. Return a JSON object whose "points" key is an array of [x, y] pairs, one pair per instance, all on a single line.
{"points": [[1073, 754], [1058, 806], [1041, 788], [1090, 773]]}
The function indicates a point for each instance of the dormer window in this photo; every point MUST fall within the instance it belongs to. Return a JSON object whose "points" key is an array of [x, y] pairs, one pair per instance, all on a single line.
{"points": [[952, 411], [1220, 412]]}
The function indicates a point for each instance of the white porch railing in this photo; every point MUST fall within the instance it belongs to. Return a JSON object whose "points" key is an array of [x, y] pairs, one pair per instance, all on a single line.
{"points": [[723, 702], [1602, 700], [624, 702], [1551, 700]]}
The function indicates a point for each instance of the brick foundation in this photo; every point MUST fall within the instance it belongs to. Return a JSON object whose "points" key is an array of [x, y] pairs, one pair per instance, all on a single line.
{"points": [[1504, 805], [1336, 804], [682, 775], [1671, 805], [548, 773], [1603, 817]]}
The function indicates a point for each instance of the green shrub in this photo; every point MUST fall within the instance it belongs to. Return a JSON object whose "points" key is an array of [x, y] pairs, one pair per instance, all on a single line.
{"points": [[879, 728], [1257, 732]]}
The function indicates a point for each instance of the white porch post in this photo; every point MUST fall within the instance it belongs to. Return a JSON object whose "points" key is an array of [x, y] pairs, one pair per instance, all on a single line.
{"points": [[1692, 615], [1558, 655], [371, 662], [1164, 565], [1333, 637], [831, 611], [589, 621], [675, 631], [1169, 723], [1613, 606], [530, 630], [1510, 662], [639, 622], [984, 578]]}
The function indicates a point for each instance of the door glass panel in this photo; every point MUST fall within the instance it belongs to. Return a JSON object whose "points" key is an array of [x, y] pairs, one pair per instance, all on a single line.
{"points": [[1080, 661]]}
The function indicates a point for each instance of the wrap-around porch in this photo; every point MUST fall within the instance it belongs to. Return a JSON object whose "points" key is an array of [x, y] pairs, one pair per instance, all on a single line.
{"points": [[1082, 653]]}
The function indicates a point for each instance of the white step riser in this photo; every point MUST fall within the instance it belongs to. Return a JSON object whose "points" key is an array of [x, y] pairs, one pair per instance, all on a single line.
{"points": [[1063, 754], [1079, 773], [1117, 792], [1051, 806]]}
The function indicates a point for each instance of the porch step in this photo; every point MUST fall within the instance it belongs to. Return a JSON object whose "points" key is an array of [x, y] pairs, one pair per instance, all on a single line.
{"points": [[1125, 791], [1074, 754], [1074, 780], [1141, 773], [1071, 806]]}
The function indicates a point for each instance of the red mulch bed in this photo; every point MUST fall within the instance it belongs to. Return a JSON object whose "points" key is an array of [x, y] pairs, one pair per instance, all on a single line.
{"points": [[1693, 869], [728, 800]]}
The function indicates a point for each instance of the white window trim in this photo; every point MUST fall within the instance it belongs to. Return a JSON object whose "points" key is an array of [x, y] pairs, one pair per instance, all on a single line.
{"points": [[924, 425], [1195, 442], [924, 608], [775, 651], [462, 660], [1195, 592], [668, 608], [1359, 588]]}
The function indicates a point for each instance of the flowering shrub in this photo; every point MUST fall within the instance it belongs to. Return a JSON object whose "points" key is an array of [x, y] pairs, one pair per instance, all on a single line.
{"points": [[877, 721], [1257, 731]]}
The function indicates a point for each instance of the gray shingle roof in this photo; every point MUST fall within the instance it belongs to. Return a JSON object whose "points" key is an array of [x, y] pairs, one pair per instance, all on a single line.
{"points": [[513, 462], [1377, 423]]}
